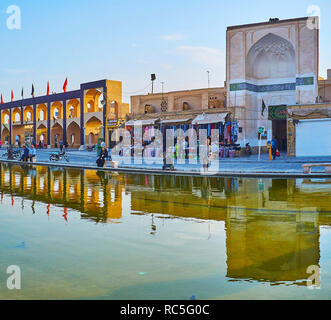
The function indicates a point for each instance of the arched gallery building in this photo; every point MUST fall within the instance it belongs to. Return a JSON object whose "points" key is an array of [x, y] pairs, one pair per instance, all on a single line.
{"points": [[78, 117]]}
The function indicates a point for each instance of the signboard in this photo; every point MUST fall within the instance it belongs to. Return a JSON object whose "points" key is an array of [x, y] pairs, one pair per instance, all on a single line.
{"points": [[277, 112], [261, 130], [112, 123]]}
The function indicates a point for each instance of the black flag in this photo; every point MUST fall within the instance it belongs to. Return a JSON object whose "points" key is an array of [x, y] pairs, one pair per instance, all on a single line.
{"points": [[263, 107], [22, 94], [32, 92]]}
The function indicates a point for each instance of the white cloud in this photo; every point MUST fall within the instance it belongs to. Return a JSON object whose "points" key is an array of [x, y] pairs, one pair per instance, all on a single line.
{"points": [[172, 37], [133, 45], [203, 55]]}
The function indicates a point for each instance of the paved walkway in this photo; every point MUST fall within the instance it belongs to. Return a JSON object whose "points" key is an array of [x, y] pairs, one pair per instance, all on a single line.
{"points": [[243, 165]]}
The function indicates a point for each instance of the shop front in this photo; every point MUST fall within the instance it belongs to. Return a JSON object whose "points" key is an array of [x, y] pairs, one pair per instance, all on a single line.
{"points": [[309, 130], [278, 114]]}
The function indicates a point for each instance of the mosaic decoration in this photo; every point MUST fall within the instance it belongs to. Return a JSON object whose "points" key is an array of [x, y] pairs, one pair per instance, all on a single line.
{"points": [[272, 87]]}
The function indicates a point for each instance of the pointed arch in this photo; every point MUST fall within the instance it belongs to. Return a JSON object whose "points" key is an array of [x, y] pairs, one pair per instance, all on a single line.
{"points": [[28, 114], [16, 115], [271, 57], [56, 110], [73, 108], [73, 135], [41, 112], [92, 101]]}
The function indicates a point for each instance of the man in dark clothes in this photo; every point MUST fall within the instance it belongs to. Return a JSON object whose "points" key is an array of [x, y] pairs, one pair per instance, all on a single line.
{"points": [[25, 154], [274, 147], [102, 157]]}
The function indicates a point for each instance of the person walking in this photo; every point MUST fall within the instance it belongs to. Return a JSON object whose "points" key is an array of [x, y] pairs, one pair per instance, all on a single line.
{"points": [[102, 157], [32, 153], [274, 147], [61, 145]]}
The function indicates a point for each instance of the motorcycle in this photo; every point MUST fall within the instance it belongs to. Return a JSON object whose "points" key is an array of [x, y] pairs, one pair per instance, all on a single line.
{"points": [[17, 154], [248, 149], [58, 156]]}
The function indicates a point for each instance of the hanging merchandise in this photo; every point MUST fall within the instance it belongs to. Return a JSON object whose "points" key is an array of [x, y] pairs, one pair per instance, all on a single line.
{"points": [[235, 130]]}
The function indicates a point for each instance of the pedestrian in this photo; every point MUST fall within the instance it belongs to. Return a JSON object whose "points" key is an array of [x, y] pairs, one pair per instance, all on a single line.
{"points": [[102, 157], [0, 144], [206, 155], [61, 145], [66, 145], [274, 147], [32, 153], [40, 145], [25, 154], [187, 148]]}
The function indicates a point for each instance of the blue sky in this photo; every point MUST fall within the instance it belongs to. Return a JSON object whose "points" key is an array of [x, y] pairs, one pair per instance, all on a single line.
{"points": [[128, 40]]}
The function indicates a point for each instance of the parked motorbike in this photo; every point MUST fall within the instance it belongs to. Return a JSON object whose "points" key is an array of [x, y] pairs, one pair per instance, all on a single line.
{"points": [[58, 156], [17, 154], [248, 149]]}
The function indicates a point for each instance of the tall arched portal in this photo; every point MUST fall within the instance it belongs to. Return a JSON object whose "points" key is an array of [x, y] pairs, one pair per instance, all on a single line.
{"points": [[272, 58], [271, 68]]}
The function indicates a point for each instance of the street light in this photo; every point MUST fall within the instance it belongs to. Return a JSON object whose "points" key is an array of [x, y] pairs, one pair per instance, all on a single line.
{"points": [[208, 72]]}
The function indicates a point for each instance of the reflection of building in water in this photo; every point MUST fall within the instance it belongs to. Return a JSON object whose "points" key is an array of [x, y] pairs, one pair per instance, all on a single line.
{"points": [[271, 247], [98, 196], [272, 229], [272, 225]]}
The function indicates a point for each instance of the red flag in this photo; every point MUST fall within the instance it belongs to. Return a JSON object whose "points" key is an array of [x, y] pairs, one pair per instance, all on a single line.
{"points": [[65, 85], [1, 99], [48, 88], [12, 96]]}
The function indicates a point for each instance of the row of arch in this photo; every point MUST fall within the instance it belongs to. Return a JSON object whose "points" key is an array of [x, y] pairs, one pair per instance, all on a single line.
{"points": [[92, 103], [73, 133]]}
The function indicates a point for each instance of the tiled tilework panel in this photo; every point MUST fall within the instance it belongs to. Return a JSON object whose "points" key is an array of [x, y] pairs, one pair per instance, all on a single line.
{"points": [[272, 87]]}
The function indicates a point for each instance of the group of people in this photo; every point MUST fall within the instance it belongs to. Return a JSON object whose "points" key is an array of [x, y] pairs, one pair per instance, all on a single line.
{"points": [[29, 153]]}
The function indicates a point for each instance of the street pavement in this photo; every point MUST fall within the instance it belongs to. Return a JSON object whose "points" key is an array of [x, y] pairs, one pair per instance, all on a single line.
{"points": [[249, 164]]}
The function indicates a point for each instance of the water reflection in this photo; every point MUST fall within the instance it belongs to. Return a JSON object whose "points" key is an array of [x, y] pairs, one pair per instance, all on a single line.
{"points": [[272, 226]]}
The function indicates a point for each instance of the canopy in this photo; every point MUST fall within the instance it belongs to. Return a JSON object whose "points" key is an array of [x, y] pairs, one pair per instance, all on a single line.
{"points": [[210, 118], [145, 122], [175, 121]]}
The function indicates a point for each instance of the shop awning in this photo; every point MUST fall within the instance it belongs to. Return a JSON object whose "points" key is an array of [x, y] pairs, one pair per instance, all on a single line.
{"points": [[210, 118], [175, 121], [145, 122]]}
